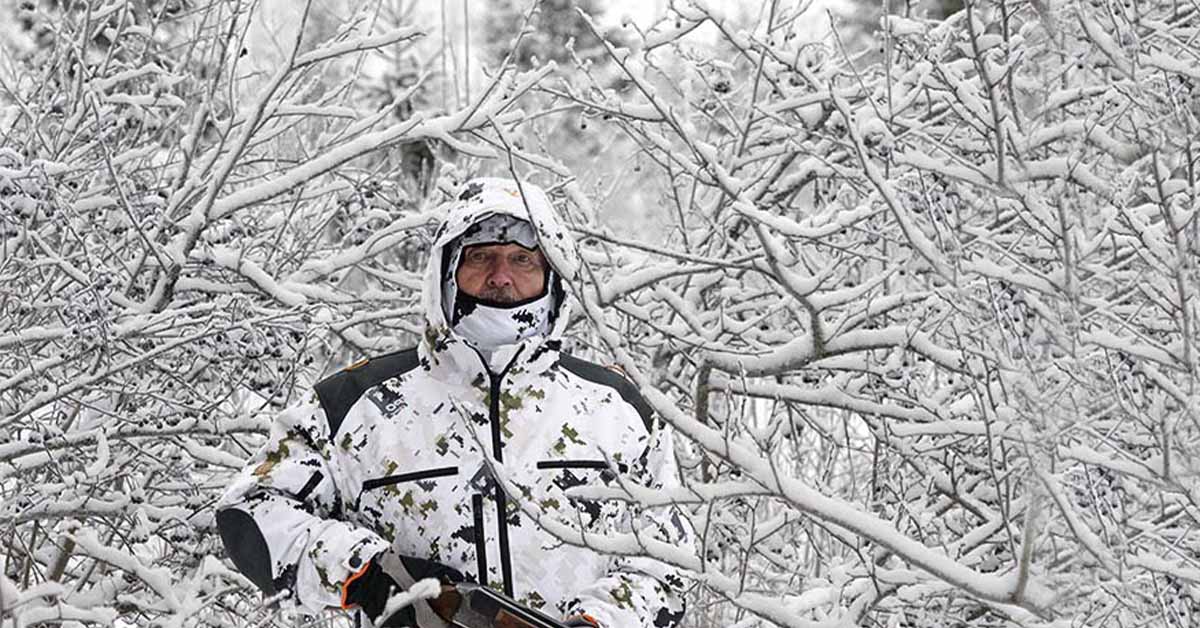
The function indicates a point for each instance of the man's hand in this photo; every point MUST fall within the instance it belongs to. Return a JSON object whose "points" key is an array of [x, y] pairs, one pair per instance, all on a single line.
{"points": [[388, 573], [368, 590], [385, 574]]}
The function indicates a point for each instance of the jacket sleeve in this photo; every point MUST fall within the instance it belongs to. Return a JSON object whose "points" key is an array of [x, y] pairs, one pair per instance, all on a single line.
{"points": [[279, 519], [640, 592]]}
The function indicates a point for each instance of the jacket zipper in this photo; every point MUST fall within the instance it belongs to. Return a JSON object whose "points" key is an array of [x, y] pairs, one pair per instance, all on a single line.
{"points": [[501, 499], [494, 381]]}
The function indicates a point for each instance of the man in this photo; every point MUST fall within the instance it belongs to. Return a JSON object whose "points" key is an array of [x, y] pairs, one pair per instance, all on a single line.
{"points": [[395, 470]]}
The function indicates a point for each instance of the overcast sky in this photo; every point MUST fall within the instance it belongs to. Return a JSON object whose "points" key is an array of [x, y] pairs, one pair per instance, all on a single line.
{"points": [[278, 19]]}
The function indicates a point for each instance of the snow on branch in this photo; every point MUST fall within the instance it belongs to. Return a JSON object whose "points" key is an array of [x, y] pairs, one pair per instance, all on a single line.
{"points": [[917, 296], [953, 333]]}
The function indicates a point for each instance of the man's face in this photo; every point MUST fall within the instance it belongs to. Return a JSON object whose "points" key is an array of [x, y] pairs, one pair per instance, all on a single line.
{"points": [[503, 273]]}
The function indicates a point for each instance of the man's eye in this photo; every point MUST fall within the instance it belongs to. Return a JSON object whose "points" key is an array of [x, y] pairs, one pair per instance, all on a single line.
{"points": [[526, 261]]}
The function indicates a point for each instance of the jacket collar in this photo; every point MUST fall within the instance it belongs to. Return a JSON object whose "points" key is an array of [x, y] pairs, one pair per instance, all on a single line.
{"points": [[451, 359]]}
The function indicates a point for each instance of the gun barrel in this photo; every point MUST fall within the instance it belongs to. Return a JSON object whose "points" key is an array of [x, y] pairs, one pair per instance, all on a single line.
{"points": [[486, 603]]}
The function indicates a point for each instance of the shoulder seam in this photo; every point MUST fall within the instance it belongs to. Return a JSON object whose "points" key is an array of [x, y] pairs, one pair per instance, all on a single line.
{"points": [[340, 391]]}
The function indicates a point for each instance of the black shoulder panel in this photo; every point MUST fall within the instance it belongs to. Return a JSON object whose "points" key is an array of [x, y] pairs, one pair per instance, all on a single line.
{"points": [[246, 547], [607, 377], [342, 389]]}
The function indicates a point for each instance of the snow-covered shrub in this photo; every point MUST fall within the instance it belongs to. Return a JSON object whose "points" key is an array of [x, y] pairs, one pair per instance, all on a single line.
{"points": [[929, 324], [190, 235], [926, 327]]}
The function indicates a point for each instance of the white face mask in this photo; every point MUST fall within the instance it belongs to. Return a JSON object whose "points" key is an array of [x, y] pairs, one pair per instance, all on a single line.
{"points": [[489, 327]]}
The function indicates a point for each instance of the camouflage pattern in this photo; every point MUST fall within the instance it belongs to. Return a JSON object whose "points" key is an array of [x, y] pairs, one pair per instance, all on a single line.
{"points": [[413, 453]]}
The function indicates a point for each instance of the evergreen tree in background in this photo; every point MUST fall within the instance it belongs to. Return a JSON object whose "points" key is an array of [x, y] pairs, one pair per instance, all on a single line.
{"points": [[860, 18], [553, 25]]}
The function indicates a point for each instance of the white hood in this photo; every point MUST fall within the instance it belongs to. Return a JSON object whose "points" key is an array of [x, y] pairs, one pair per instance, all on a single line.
{"points": [[479, 199]]}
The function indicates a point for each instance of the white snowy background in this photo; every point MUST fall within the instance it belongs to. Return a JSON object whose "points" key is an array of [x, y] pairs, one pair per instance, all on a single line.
{"points": [[914, 282]]}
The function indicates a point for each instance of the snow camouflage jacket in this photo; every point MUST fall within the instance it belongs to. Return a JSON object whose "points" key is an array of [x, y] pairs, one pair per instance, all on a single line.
{"points": [[405, 451]]}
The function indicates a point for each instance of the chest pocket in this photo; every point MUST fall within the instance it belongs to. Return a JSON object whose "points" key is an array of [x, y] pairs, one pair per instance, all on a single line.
{"points": [[414, 476], [557, 476], [410, 490], [577, 472]]}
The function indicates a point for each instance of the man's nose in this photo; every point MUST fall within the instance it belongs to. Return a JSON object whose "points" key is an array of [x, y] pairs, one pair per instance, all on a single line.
{"points": [[500, 274]]}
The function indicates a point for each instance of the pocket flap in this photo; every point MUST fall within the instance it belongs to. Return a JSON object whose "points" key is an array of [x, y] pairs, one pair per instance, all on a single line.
{"points": [[408, 477], [572, 464]]}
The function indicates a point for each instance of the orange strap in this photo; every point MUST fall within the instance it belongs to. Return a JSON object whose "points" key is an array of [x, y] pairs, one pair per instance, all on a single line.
{"points": [[352, 578], [588, 618]]}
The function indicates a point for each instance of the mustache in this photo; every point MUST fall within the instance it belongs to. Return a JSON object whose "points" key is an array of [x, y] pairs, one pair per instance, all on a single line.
{"points": [[501, 294]]}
